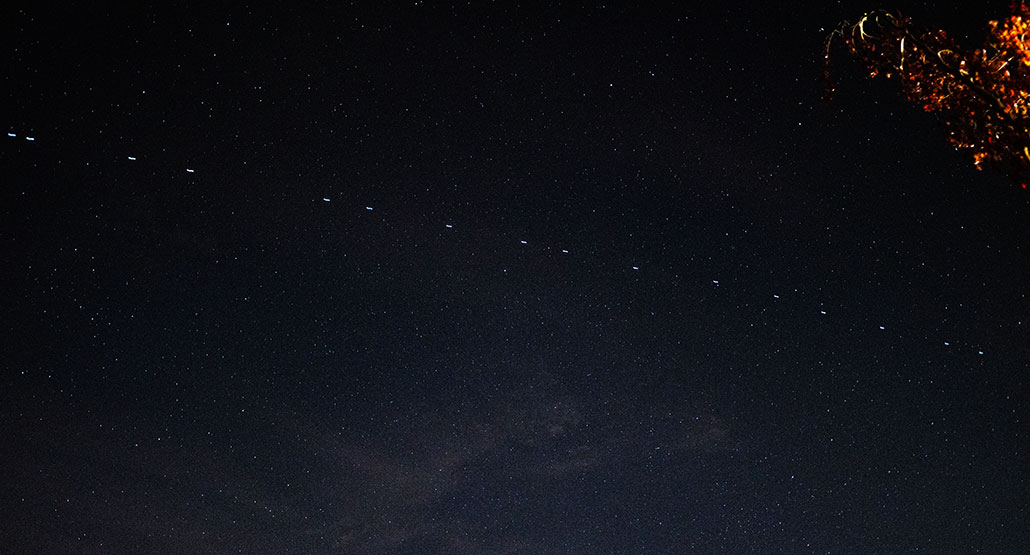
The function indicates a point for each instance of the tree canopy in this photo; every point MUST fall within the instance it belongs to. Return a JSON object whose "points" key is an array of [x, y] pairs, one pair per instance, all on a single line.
{"points": [[982, 95]]}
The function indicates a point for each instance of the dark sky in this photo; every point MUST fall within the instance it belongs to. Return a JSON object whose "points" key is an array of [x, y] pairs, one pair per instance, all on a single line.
{"points": [[487, 279]]}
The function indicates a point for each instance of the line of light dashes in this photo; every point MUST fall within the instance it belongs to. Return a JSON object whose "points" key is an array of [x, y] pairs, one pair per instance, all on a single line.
{"points": [[715, 282]]}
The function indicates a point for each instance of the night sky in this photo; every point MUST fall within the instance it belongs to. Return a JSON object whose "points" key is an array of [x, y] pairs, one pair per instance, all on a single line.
{"points": [[487, 279]]}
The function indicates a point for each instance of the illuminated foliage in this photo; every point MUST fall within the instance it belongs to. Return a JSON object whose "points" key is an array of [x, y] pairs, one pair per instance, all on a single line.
{"points": [[982, 95]]}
